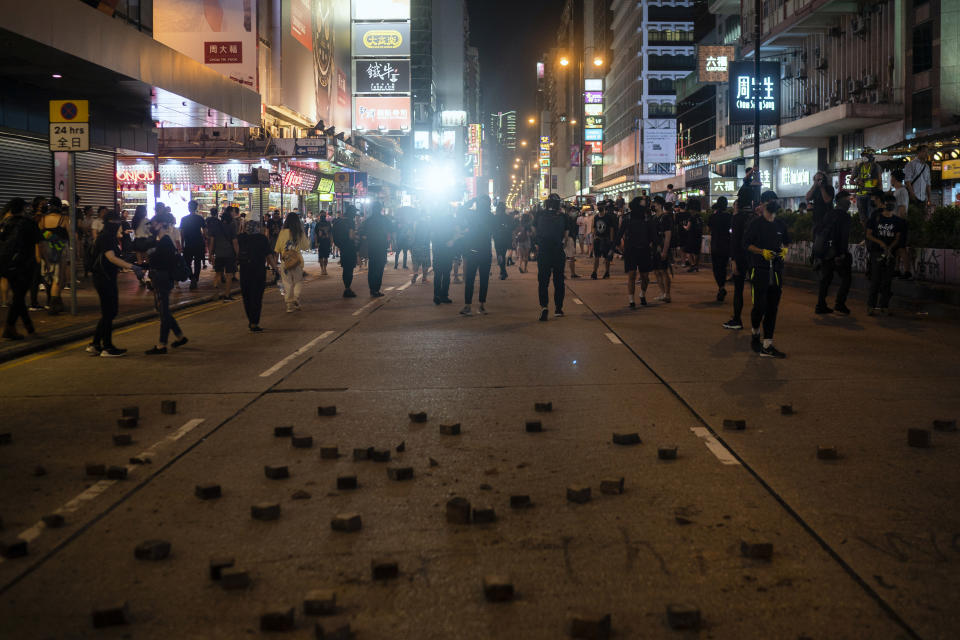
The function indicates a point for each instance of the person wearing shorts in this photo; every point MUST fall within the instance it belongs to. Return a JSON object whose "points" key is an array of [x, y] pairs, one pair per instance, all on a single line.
{"points": [[605, 226], [635, 239], [224, 248], [661, 256]]}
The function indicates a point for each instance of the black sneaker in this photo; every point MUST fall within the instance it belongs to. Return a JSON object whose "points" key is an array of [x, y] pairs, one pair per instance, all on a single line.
{"points": [[772, 352], [436, 301], [349, 293], [822, 309], [606, 275], [755, 343], [376, 294], [446, 300], [558, 313], [841, 308], [155, 351], [733, 324], [633, 305], [255, 328], [593, 276], [179, 343], [543, 314], [643, 301], [113, 352]]}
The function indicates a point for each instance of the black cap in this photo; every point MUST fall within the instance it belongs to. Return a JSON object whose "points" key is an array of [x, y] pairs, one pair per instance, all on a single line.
{"points": [[771, 200], [721, 203]]}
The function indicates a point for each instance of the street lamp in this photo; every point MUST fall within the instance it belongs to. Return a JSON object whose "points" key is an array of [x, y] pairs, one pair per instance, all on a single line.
{"points": [[598, 62], [532, 120], [564, 61]]}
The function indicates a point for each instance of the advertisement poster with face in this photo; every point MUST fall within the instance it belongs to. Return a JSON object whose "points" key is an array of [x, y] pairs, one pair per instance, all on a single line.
{"points": [[221, 34], [315, 62]]}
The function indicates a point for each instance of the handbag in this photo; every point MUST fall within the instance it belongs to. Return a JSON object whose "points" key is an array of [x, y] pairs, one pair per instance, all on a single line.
{"points": [[291, 257]]}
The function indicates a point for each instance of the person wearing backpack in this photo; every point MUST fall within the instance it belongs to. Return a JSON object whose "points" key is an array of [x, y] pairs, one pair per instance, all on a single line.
{"points": [[636, 243], [344, 237], [164, 261], [255, 252], [290, 242], [831, 238], [19, 256], [54, 250], [721, 231], [104, 267], [376, 232]]}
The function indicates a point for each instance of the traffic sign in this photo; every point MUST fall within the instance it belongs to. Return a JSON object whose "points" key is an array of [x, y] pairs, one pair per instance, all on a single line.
{"points": [[69, 111], [341, 182], [70, 137]]}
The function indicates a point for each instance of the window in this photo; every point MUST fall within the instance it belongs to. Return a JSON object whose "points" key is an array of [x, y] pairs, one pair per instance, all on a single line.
{"points": [[922, 109], [852, 146], [923, 47]]}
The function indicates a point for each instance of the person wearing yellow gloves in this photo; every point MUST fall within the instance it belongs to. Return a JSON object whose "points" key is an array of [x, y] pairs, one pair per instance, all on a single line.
{"points": [[766, 241]]}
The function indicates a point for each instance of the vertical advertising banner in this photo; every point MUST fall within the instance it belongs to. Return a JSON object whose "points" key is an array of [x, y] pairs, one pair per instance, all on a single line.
{"points": [[315, 60], [221, 34]]}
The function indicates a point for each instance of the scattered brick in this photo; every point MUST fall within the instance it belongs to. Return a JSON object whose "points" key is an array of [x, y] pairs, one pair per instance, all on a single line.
{"points": [[140, 460], [458, 511], [329, 452], [578, 494], [497, 589], [450, 429], [611, 485], [590, 627], [301, 442], [339, 631], [520, 502], [127, 423], [626, 438], [736, 425], [276, 472], [346, 522], [346, 482], [320, 602], [400, 473], [278, 618], [683, 616], [327, 411], [484, 515], [384, 569], [115, 472], [283, 432], [681, 520], [233, 578], [667, 453], [130, 412], [6, 438], [301, 494], [827, 453], [486, 487], [207, 491], [152, 550], [111, 615], [39, 471], [53, 520], [786, 409], [543, 407], [168, 407], [756, 550], [13, 548], [418, 417], [218, 565], [919, 438], [402, 447], [534, 426], [358, 454], [434, 463], [265, 511], [945, 425], [122, 440], [96, 470], [380, 455]]}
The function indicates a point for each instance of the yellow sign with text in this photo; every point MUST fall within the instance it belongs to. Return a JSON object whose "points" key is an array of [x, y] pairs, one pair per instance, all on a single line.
{"points": [[69, 111]]}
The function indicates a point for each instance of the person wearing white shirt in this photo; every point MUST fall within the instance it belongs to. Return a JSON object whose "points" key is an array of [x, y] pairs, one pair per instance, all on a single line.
{"points": [[903, 205], [917, 176]]}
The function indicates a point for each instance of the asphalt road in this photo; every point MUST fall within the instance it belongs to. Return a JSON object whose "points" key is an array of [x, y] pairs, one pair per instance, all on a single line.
{"points": [[867, 546]]}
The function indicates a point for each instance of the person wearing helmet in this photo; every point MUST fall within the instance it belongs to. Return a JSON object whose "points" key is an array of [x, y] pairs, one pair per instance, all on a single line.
{"points": [[550, 232], [867, 178], [766, 240]]}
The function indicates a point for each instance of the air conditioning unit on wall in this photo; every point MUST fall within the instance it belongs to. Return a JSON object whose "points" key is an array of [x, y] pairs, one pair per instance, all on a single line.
{"points": [[859, 26]]}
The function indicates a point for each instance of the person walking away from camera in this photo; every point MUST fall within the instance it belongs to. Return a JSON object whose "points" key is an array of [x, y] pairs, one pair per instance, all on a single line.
{"points": [[322, 233], [867, 179], [376, 233], [291, 242], [884, 233], [420, 249], [223, 250], [191, 233], [831, 254], [345, 239], [254, 256], [163, 263], [635, 238], [142, 236], [54, 252], [478, 234], [502, 237], [661, 255], [524, 242], [19, 257], [551, 230], [721, 232], [902, 195], [107, 263], [443, 234], [570, 244], [605, 226], [766, 240], [693, 235]]}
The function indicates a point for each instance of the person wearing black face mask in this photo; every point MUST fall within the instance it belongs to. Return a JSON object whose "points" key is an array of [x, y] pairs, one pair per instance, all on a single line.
{"points": [[831, 238], [884, 234], [766, 241]]}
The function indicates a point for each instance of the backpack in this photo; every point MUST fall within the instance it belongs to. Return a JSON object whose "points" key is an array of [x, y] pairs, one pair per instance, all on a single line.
{"points": [[15, 250], [824, 236], [93, 259], [181, 270]]}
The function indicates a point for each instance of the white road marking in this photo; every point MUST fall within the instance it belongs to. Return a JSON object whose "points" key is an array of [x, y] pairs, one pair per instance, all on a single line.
{"points": [[577, 301], [714, 446], [612, 338], [404, 287], [185, 429], [296, 354], [389, 288], [364, 307]]}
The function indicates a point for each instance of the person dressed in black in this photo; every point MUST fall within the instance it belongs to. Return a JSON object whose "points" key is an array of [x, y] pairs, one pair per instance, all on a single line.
{"points": [[661, 255], [885, 232], [820, 196], [345, 238], [106, 264], [478, 232], [766, 241], [321, 233], [604, 232], [636, 235], [163, 263], [550, 232], [693, 235], [254, 256], [442, 235], [192, 226], [503, 227], [831, 254], [721, 232], [19, 260], [376, 232], [742, 217], [746, 195]]}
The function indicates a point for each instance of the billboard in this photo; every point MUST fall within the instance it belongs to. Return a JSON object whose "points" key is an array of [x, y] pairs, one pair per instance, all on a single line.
{"points": [[593, 135], [713, 62], [748, 93], [315, 60], [378, 113], [660, 145], [224, 39], [381, 39], [381, 9], [382, 76]]}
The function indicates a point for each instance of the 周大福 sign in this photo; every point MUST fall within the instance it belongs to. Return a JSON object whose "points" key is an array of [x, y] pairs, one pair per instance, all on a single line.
{"points": [[749, 94]]}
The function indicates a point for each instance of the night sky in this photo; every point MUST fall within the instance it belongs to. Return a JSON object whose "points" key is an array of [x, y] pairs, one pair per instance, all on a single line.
{"points": [[511, 36]]}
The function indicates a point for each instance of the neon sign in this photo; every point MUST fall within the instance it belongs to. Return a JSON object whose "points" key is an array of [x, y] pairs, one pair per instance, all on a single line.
{"points": [[136, 174]]}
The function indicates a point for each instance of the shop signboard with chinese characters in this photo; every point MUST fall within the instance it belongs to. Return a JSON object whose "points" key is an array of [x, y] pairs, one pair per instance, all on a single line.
{"points": [[382, 114], [382, 76], [723, 186], [69, 125], [749, 93], [474, 139], [311, 147], [381, 39], [544, 167], [713, 62]]}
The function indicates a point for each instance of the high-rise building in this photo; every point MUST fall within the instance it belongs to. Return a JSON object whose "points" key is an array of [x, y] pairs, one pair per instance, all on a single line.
{"points": [[500, 144], [502, 129]]}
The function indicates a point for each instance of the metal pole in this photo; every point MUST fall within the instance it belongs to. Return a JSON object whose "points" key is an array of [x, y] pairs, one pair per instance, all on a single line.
{"points": [[74, 240], [583, 125], [755, 88]]}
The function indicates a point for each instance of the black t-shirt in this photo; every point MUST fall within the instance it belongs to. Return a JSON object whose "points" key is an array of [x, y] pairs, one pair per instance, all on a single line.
{"points": [[164, 256], [101, 246], [721, 232], [550, 228], [664, 224], [602, 226], [745, 198], [321, 229], [820, 207], [377, 228], [254, 249], [479, 229], [764, 234], [191, 230], [341, 233], [739, 223], [223, 236], [885, 230], [637, 231]]}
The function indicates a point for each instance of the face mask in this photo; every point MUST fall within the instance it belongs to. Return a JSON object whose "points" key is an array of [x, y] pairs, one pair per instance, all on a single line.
{"points": [[844, 205], [889, 207]]}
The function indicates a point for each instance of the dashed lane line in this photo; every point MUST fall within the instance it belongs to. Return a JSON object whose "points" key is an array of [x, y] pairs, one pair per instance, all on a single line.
{"points": [[613, 338], [717, 449], [365, 307], [296, 354], [577, 301], [404, 287]]}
